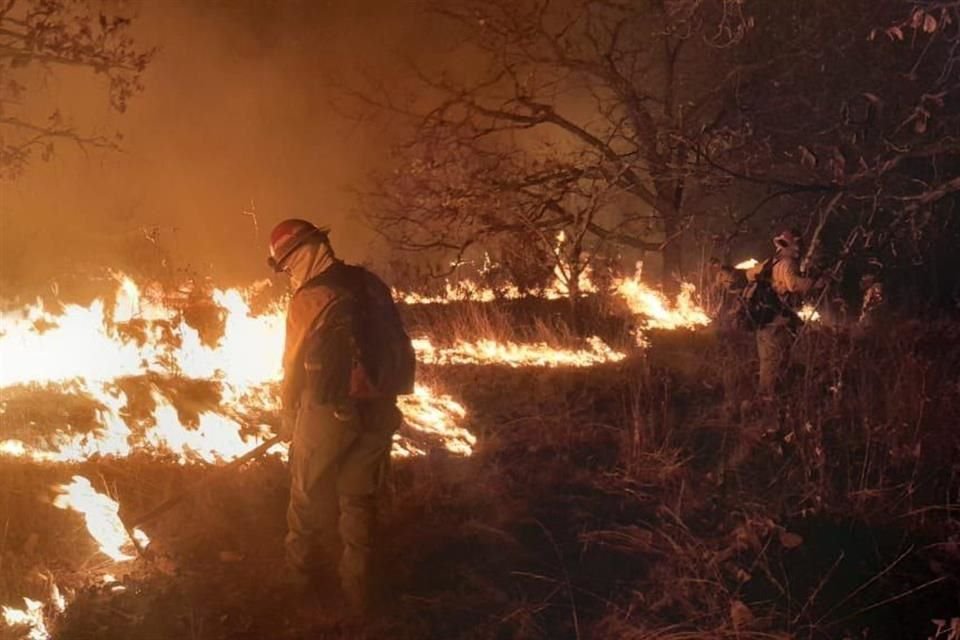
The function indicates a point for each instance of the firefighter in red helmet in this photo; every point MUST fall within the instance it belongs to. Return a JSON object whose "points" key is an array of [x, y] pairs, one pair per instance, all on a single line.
{"points": [[346, 358], [774, 340]]}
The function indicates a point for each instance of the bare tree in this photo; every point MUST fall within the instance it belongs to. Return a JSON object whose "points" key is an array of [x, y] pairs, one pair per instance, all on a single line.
{"points": [[852, 111], [40, 36], [580, 121], [639, 124], [453, 197]]}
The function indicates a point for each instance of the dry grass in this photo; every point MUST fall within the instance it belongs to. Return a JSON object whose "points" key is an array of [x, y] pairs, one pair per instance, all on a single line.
{"points": [[625, 501]]}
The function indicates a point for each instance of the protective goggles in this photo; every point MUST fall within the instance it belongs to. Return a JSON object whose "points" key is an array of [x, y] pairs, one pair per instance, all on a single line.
{"points": [[278, 263]]}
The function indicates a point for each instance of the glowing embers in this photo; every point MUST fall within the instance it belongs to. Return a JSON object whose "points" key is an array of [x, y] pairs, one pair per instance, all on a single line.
{"points": [[102, 517], [513, 354]]}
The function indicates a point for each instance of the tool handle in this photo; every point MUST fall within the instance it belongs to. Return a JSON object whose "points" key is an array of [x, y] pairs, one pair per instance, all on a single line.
{"points": [[174, 500]]}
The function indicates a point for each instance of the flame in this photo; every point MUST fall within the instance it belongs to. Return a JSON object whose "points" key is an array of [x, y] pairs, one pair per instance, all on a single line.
{"points": [[467, 290], [86, 348], [89, 348], [129, 304], [461, 291], [809, 313], [215, 438], [747, 264], [101, 514], [30, 616], [655, 308], [435, 415], [537, 354], [658, 312], [57, 600], [37, 346]]}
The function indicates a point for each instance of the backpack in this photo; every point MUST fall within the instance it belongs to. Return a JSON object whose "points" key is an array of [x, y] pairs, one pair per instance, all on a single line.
{"points": [[759, 304], [384, 362]]}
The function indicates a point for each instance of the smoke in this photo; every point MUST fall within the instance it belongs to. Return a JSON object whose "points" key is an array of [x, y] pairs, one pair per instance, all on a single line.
{"points": [[234, 132]]}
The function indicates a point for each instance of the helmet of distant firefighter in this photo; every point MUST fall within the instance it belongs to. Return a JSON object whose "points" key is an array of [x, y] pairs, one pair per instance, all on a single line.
{"points": [[788, 242]]}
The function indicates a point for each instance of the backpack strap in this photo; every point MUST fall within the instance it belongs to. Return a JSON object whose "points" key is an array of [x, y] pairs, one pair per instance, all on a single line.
{"points": [[766, 273]]}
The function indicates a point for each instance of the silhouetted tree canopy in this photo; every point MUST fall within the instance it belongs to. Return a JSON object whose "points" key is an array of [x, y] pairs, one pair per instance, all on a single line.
{"points": [[39, 37], [668, 125]]}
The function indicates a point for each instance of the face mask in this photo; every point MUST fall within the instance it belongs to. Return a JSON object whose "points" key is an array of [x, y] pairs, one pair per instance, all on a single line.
{"points": [[306, 262]]}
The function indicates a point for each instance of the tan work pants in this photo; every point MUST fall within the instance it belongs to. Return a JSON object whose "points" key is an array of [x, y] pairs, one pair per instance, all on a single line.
{"points": [[337, 461], [773, 351]]}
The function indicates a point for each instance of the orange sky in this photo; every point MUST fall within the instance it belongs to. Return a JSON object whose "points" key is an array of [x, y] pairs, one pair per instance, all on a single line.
{"points": [[235, 110]]}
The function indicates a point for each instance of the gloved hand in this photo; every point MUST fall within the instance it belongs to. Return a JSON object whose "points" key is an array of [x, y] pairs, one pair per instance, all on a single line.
{"points": [[288, 422]]}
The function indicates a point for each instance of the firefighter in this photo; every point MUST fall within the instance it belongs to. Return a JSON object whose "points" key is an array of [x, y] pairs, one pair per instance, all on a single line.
{"points": [[873, 302], [340, 445], [776, 337]]}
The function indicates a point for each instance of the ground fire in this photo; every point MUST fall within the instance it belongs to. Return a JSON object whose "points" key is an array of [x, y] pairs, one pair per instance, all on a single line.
{"points": [[101, 515], [476, 319], [164, 345]]}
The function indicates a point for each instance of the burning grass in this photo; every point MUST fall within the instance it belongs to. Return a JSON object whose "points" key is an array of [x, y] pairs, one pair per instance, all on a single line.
{"points": [[640, 497]]}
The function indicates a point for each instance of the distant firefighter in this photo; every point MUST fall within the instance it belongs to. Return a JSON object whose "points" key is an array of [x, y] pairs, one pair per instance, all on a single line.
{"points": [[774, 314], [873, 301], [346, 359]]}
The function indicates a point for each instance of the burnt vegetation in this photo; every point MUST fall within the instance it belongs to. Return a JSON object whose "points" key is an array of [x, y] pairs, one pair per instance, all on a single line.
{"points": [[653, 498]]}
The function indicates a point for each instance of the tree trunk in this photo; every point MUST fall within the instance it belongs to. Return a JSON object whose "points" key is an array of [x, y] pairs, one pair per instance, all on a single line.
{"points": [[672, 192], [573, 290], [672, 258]]}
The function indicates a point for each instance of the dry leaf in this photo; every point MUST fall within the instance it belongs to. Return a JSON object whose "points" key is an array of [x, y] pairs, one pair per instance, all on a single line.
{"points": [[790, 540], [740, 615]]}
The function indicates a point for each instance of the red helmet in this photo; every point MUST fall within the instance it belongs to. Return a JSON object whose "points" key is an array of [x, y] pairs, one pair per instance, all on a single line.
{"points": [[287, 236], [788, 238]]}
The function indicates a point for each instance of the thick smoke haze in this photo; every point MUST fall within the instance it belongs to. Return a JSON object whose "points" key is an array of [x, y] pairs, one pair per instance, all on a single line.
{"points": [[236, 116]]}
